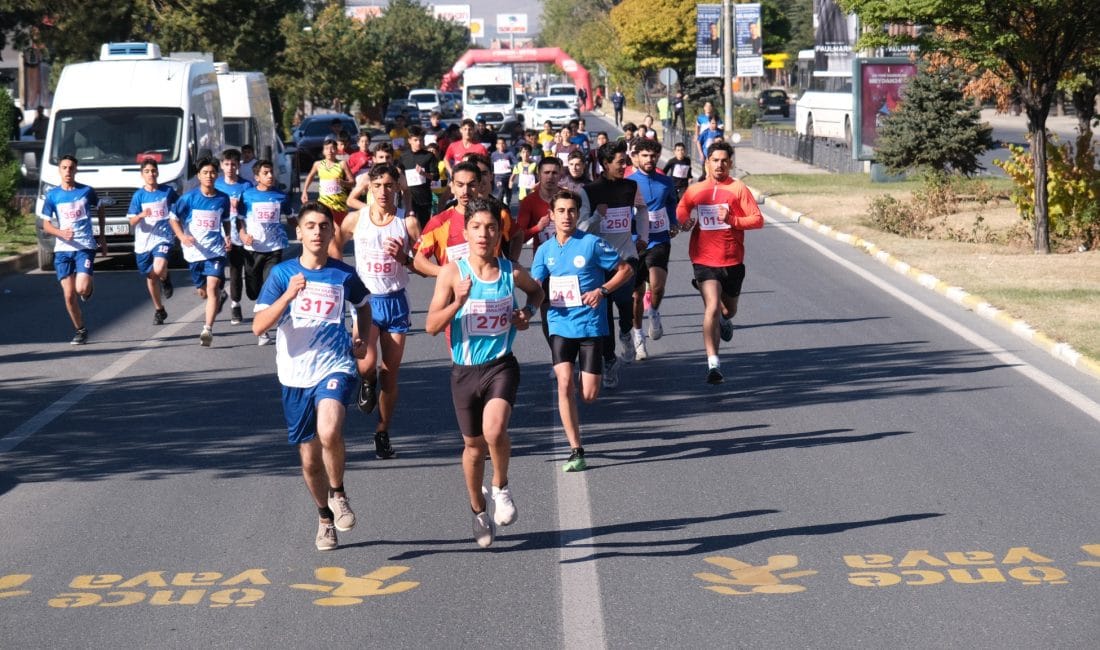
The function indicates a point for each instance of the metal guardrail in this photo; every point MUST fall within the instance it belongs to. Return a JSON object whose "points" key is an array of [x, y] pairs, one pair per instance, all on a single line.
{"points": [[833, 155]]}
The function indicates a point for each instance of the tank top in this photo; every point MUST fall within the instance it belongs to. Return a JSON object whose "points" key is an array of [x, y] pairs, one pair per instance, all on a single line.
{"points": [[332, 193], [381, 273], [482, 331]]}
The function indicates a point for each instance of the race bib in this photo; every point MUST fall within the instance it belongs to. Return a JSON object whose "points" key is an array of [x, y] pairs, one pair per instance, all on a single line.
{"points": [[680, 171], [430, 138], [319, 301], [330, 187], [379, 264], [488, 317], [458, 252], [615, 220], [564, 158], [71, 212], [502, 167], [658, 220], [204, 221], [709, 219], [158, 210], [527, 181], [413, 177], [266, 212], [565, 291]]}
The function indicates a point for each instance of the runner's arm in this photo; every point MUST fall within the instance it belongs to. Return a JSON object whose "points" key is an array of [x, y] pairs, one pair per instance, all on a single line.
{"points": [[443, 306]]}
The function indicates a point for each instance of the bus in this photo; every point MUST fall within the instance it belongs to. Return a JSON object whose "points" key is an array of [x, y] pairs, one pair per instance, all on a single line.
{"points": [[825, 107]]}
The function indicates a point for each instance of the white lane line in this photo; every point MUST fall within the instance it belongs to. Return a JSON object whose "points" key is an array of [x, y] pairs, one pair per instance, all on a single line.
{"points": [[1070, 395], [581, 606], [70, 399]]}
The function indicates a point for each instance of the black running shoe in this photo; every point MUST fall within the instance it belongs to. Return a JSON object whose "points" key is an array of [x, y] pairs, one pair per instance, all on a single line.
{"points": [[382, 447], [159, 316], [222, 297], [166, 286], [235, 318], [714, 377], [81, 337], [368, 397]]}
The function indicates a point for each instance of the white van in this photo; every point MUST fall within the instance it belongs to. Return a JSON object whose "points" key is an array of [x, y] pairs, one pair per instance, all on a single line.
{"points": [[248, 119], [111, 114]]}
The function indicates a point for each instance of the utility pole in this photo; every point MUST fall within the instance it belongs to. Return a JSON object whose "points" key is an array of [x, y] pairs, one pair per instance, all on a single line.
{"points": [[727, 64]]}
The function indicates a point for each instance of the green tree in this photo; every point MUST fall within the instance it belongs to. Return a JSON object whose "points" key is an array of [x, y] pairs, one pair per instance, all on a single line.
{"points": [[10, 177], [935, 128], [1037, 41], [416, 49], [655, 34]]}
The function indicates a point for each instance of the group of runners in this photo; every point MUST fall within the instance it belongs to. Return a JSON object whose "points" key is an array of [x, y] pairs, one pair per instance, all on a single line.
{"points": [[600, 248]]}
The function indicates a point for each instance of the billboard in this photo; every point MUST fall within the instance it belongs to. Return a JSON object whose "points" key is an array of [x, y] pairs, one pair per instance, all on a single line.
{"points": [[455, 13], [511, 23], [879, 86], [748, 37], [834, 36], [708, 40]]}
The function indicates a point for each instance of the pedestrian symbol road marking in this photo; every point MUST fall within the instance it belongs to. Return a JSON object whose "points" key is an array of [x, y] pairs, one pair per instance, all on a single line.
{"points": [[351, 590], [759, 579]]}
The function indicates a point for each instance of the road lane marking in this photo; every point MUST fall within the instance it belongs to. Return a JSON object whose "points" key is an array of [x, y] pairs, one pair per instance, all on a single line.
{"points": [[73, 397], [1073, 397]]}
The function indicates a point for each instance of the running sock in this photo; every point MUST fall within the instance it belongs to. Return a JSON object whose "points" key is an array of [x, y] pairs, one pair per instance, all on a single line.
{"points": [[338, 488], [637, 332], [234, 303], [712, 361], [326, 513], [578, 451]]}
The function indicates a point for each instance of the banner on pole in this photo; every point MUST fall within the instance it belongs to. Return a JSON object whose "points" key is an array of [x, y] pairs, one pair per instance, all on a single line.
{"points": [[708, 40], [748, 40]]}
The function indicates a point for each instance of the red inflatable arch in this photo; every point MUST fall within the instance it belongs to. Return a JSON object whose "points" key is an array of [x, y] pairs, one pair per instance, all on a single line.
{"points": [[522, 55]]}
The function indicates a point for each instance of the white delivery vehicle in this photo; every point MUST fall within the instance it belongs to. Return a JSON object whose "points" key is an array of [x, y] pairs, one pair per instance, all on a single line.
{"points": [[113, 113], [248, 119], [825, 109], [428, 100], [488, 91]]}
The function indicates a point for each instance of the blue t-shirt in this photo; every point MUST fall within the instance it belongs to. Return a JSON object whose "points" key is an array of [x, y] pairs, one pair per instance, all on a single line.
{"points": [[482, 330], [202, 217], [582, 141], [660, 199], [574, 268], [72, 209], [263, 212], [707, 136], [234, 191], [311, 340], [153, 230]]}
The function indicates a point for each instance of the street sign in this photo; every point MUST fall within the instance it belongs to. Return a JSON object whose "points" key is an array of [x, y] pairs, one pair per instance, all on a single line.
{"points": [[668, 76]]}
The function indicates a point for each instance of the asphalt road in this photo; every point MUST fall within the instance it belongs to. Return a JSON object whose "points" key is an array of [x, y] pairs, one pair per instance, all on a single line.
{"points": [[881, 469]]}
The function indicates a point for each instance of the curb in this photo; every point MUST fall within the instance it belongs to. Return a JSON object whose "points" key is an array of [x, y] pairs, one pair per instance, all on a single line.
{"points": [[18, 263], [1061, 351]]}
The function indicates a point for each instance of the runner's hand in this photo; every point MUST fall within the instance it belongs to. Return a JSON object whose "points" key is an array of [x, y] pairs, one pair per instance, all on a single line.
{"points": [[462, 290], [295, 286]]}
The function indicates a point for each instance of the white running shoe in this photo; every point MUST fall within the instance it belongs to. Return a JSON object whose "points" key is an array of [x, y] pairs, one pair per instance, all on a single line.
{"points": [[206, 338], [640, 352], [504, 509], [484, 531], [264, 339], [655, 329], [343, 517]]}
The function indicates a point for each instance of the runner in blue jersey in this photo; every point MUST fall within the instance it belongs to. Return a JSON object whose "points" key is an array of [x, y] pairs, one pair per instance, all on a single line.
{"points": [[261, 232], [659, 192], [315, 358], [200, 220], [581, 270], [474, 297], [153, 236], [234, 186], [67, 216]]}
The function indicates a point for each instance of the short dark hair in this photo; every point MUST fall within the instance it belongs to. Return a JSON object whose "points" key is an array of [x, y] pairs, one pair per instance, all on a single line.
{"points": [[720, 146], [381, 146], [645, 144], [232, 154], [606, 153], [318, 207], [466, 166], [482, 205], [576, 154], [206, 161], [260, 164], [630, 126], [468, 122], [565, 195], [247, 146], [146, 162], [526, 146], [376, 171], [552, 161], [69, 157], [416, 131]]}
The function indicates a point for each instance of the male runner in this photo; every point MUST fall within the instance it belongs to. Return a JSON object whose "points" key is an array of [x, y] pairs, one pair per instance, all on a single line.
{"points": [[419, 168], [613, 208], [71, 204], [153, 236], [200, 220], [305, 298], [234, 186], [660, 198], [575, 265], [678, 168], [725, 209], [467, 144], [248, 162], [444, 237], [474, 300], [261, 231]]}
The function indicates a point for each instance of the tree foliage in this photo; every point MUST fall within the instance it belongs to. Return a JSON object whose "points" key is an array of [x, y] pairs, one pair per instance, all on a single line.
{"points": [[934, 128], [415, 48], [656, 33]]}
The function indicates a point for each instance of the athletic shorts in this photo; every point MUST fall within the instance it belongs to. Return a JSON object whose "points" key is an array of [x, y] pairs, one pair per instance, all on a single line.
{"points": [[211, 268], [389, 312], [300, 404], [257, 266], [145, 260], [68, 263], [730, 277], [651, 258], [473, 386], [588, 350]]}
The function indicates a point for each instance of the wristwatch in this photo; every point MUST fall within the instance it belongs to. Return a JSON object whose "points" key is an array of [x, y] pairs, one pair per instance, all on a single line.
{"points": [[529, 310], [604, 292]]}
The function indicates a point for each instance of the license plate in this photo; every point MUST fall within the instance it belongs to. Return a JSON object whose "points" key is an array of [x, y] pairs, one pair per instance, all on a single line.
{"points": [[113, 229]]}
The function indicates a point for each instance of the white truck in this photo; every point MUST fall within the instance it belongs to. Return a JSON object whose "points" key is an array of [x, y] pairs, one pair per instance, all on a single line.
{"points": [[488, 91], [113, 113], [248, 119]]}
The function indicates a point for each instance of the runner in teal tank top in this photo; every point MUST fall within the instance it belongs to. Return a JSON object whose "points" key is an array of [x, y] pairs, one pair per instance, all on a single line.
{"points": [[474, 297]]}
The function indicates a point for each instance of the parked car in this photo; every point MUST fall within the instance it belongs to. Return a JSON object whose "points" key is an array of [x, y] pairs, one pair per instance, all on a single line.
{"points": [[558, 110], [453, 107], [311, 134], [401, 107], [564, 91], [428, 100], [774, 101]]}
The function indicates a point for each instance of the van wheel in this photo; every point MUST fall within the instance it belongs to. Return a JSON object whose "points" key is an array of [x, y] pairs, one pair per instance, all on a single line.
{"points": [[45, 258]]}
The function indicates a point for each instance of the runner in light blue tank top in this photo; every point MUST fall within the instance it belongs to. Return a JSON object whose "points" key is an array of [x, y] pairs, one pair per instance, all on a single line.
{"points": [[481, 331]]}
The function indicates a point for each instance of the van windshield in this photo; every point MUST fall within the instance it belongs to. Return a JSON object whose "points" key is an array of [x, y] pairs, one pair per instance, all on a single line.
{"points": [[562, 90], [424, 98], [238, 131], [483, 95], [118, 136]]}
